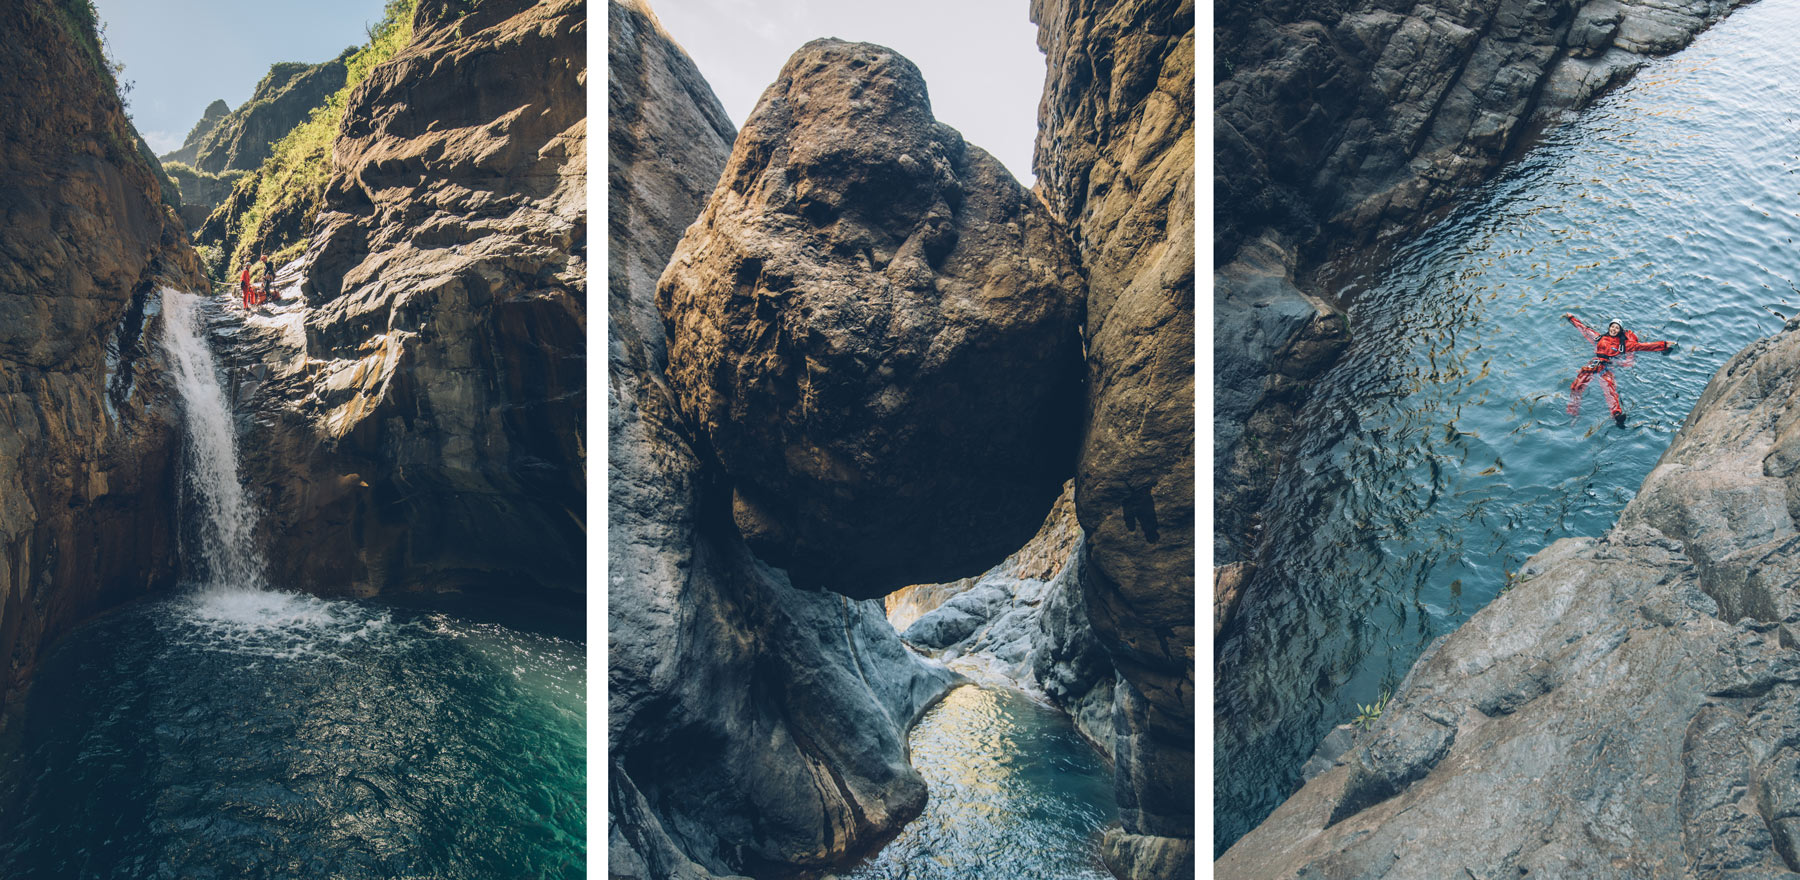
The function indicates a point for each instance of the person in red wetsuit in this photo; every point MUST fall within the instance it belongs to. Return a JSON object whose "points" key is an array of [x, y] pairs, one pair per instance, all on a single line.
{"points": [[1617, 343], [245, 287]]}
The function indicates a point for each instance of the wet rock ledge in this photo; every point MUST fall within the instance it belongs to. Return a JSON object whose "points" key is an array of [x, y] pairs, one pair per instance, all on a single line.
{"points": [[1630, 709]]}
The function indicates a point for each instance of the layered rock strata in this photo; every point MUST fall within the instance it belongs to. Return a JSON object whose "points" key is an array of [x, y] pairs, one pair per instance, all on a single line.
{"points": [[1629, 709], [874, 329], [417, 415], [1115, 161], [87, 428], [1341, 125], [753, 727]]}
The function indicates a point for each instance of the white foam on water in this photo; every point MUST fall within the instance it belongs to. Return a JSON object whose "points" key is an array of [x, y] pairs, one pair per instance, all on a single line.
{"points": [[279, 625], [227, 546]]}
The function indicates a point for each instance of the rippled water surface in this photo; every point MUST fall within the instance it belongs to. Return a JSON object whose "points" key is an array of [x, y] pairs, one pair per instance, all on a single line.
{"points": [[1015, 793], [253, 734], [1438, 456]]}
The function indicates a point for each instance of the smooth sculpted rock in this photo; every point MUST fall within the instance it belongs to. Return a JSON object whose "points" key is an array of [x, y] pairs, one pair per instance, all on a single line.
{"points": [[874, 328], [1629, 709]]}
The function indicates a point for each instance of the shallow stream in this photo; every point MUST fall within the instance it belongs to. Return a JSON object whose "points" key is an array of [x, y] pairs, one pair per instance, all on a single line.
{"points": [[1015, 793]]}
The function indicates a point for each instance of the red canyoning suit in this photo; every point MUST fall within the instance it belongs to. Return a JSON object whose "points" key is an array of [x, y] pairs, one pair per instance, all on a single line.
{"points": [[1606, 348]]}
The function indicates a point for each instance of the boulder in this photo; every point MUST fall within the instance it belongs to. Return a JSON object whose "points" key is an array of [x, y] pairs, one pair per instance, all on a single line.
{"points": [[874, 329], [753, 728]]}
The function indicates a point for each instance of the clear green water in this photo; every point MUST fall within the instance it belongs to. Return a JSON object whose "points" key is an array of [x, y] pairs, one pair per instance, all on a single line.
{"points": [[1016, 793], [1438, 456], [251, 734]]}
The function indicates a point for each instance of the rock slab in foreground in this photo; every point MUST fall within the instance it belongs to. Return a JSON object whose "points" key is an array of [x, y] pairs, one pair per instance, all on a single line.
{"points": [[1631, 709], [874, 329]]}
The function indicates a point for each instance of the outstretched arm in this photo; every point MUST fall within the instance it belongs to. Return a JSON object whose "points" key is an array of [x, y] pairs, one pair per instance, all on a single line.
{"points": [[1632, 344], [1587, 331]]}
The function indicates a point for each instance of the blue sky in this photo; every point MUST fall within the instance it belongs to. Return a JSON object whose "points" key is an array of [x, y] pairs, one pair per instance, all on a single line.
{"points": [[181, 55], [979, 57]]}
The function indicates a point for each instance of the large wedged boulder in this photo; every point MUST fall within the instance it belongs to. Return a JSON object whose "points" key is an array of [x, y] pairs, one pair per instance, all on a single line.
{"points": [[1629, 709], [874, 329], [754, 728], [88, 424], [419, 422], [1115, 160]]}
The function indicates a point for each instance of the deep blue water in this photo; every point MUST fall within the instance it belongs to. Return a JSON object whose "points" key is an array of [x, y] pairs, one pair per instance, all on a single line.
{"points": [[252, 734], [1438, 456]]}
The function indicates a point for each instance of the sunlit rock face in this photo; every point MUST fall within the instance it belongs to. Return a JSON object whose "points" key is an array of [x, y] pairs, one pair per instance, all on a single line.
{"points": [[754, 728], [874, 329], [1115, 160], [87, 424], [420, 424]]}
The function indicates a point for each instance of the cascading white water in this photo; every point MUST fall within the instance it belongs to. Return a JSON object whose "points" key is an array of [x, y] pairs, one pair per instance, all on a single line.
{"points": [[227, 550]]}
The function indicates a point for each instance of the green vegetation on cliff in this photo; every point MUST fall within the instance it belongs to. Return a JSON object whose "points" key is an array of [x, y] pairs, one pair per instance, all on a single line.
{"points": [[271, 209]]}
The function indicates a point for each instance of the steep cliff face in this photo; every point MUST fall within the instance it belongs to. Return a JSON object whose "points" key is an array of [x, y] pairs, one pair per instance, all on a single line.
{"points": [[1339, 125], [753, 727], [190, 145], [875, 329], [1115, 160], [240, 140], [418, 421], [1627, 710], [88, 451]]}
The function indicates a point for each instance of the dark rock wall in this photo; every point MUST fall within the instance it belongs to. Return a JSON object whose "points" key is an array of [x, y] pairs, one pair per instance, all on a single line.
{"points": [[753, 727], [875, 329], [1115, 160], [88, 443], [1629, 709], [420, 424]]}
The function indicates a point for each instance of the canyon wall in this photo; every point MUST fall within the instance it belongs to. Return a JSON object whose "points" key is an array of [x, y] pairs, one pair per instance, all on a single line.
{"points": [[1115, 161], [419, 424], [88, 430]]}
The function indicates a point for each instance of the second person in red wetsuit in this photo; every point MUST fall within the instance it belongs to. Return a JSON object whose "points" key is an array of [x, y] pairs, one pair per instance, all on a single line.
{"points": [[1616, 342]]}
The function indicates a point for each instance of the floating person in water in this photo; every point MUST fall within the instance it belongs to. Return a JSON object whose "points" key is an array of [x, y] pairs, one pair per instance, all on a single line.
{"points": [[1616, 342]]}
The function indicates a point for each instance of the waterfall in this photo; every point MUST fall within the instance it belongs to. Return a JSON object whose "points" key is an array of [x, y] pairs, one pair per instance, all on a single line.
{"points": [[225, 556]]}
